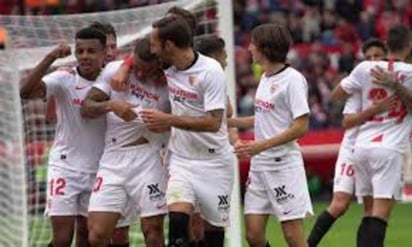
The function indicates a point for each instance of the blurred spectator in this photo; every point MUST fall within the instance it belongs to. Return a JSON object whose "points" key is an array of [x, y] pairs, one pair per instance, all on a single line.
{"points": [[8, 7], [327, 35]]}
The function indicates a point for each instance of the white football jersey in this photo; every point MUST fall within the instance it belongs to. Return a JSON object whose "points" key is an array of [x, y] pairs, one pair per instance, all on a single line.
{"points": [[353, 105], [280, 98], [193, 92], [390, 129], [78, 142], [145, 95]]}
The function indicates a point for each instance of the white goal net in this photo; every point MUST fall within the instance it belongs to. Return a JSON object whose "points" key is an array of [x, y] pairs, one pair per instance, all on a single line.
{"points": [[23, 173]]}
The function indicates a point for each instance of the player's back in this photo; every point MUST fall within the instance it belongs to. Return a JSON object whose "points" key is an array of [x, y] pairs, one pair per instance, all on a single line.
{"points": [[78, 142], [389, 129], [193, 92]]}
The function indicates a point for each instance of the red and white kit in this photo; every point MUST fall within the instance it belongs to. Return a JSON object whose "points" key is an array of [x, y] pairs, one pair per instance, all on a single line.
{"points": [[201, 163], [381, 141], [131, 175], [277, 179], [78, 145]]}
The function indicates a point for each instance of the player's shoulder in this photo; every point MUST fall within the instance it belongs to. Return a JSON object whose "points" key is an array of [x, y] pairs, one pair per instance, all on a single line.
{"points": [[292, 72], [294, 76], [208, 63], [61, 76], [113, 66]]}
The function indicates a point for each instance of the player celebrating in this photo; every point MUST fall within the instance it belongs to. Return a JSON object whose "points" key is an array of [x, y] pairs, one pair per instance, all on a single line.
{"points": [[78, 143], [277, 180], [199, 144], [344, 180], [130, 168], [382, 140], [111, 55]]}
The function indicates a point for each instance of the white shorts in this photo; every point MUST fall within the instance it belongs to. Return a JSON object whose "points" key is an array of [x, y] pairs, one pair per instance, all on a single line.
{"points": [[378, 172], [344, 180], [68, 191], [283, 193], [206, 183], [133, 176]]}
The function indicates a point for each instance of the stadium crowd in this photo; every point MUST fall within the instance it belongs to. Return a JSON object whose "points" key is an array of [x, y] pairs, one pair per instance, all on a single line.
{"points": [[327, 37]]}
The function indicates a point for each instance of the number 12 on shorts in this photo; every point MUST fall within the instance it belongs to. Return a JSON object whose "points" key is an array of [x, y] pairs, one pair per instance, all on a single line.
{"points": [[347, 170], [57, 187]]}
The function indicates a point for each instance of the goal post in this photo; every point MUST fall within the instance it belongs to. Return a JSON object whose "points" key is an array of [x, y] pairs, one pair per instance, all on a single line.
{"points": [[225, 28], [32, 37], [13, 203]]}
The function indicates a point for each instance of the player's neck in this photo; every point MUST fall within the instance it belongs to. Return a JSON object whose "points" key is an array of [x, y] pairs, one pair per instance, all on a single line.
{"points": [[273, 68], [90, 76], [184, 59]]}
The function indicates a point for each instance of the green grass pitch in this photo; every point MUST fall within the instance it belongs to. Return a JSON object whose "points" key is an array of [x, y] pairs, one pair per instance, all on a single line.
{"points": [[343, 233]]}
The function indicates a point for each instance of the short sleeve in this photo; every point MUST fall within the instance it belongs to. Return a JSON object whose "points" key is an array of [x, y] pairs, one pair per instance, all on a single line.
{"points": [[298, 97], [55, 82], [353, 82], [103, 82], [214, 88], [353, 104]]}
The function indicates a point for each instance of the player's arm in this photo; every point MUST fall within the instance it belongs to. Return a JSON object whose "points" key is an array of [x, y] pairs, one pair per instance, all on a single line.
{"points": [[210, 122], [34, 86], [389, 79], [356, 119], [339, 94], [350, 84], [297, 129], [96, 104], [121, 77], [241, 122]]}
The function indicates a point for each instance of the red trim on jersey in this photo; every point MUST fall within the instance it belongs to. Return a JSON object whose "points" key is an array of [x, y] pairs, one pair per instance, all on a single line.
{"points": [[379, 138], [128, 61]]}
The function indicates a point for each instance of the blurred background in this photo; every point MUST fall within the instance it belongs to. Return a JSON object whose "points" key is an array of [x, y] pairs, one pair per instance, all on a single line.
{"points": [[327, 37]]}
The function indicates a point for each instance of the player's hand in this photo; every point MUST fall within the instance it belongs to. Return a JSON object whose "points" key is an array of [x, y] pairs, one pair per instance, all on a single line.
{"points": [[155, 120], [383, 77], [120, 80], [61, 51], [67, 69], [247, 149], [123, 110], [385, 104]]}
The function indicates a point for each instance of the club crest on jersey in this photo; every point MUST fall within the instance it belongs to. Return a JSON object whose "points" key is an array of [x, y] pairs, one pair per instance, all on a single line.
{"points": [[273, 88], [192, 80]]}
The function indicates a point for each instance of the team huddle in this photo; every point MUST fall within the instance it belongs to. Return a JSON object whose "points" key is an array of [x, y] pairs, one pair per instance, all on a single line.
{"points": [[152, 135]]}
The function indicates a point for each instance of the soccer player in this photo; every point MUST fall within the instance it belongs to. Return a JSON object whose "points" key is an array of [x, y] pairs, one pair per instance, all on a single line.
{"points": [[214, 47], [199, 148], [111, 55], [111, 40], [78, 143], [344, 180], [277, 180], [130, 169], [120, 79], [381, 140]]}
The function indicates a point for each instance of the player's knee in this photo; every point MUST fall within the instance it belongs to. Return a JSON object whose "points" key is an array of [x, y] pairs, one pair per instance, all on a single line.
{"points": [[338, 208], [97, 237], [62, 240], [120, 236], [152, 229], [255, 239]]}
